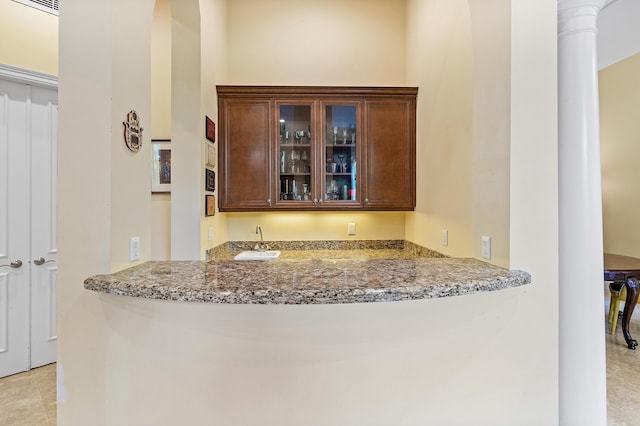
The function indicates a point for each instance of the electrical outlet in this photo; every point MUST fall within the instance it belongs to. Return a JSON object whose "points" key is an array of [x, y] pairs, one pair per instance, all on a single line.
{"points": [[210, 234], [486, 247], [445, 237], [134, 248], [351, 228]]}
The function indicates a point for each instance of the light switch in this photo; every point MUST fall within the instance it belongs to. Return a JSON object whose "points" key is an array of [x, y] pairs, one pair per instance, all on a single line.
{"points": [[210, 234], [351, 228], [134, 248], [486, 247]]}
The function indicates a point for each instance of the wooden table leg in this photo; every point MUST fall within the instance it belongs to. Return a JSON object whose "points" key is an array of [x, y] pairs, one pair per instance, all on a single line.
{"points": [[629, 306]]}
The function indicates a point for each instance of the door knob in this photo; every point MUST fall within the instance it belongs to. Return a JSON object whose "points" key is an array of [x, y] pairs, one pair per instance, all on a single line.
{"points": [[41, 261], [15, 264]]}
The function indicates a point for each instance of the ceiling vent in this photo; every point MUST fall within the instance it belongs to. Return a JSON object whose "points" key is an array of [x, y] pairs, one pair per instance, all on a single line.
{"points": [[50, 6]]}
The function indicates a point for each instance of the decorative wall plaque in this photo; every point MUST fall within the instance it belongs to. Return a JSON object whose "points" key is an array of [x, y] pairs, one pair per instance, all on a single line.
{"points": [[210, 129], [132, 131], [210, 180]]}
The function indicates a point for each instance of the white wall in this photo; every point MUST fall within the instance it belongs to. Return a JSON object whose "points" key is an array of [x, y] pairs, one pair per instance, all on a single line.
{"points": [[104, 189], [533, 216], [491, 124]]}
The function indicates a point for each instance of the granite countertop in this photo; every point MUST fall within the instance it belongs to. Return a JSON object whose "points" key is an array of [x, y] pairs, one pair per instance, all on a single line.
{"points": [[310, 277]]}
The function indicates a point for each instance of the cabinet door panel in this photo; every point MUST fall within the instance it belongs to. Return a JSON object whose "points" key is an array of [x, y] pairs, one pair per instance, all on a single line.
{"points": [[245, 155], [341, 146], [295, 172], [390, 152]]}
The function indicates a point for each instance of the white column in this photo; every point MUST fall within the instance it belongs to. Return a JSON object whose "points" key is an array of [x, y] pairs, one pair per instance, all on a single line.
{"points": [[582, 384]]}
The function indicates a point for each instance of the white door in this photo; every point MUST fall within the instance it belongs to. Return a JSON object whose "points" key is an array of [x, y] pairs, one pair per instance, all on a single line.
{"points": [[28, 215], [44, 217], [14, 230]]}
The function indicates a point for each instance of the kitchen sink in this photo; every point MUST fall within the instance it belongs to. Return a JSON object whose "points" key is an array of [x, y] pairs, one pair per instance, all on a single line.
{"points": [[258, 255]]}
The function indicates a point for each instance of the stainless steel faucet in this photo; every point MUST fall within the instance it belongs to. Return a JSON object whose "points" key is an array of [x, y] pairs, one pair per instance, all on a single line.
{"points": [[261, 246]]}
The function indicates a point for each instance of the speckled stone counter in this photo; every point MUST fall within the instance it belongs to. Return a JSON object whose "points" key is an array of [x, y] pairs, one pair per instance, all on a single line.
{"points": [[310, 277]]}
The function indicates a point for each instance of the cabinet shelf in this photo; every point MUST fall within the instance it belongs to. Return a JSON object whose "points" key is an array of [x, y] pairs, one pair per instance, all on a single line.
{"points": [[341, 145]]}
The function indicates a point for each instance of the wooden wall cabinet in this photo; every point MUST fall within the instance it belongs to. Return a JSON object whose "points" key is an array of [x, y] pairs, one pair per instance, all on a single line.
{"points": [[316, 148]]}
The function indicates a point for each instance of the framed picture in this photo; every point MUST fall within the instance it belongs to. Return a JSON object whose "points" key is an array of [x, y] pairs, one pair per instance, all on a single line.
{"points": [[211, 155], [209, 205], [160, 165], [210, 129], [210, 180]]}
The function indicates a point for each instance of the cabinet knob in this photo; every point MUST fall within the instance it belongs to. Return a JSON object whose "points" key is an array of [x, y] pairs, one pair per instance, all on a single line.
{"points": [[366, 200], [269, 201]]}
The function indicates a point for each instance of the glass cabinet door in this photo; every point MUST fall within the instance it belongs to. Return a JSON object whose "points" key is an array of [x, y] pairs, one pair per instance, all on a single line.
{"points": [[294, 157], [341, 130]]}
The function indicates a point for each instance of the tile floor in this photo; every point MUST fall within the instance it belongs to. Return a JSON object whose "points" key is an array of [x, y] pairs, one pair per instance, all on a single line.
{"points": [[623, 390], [28, 399]]}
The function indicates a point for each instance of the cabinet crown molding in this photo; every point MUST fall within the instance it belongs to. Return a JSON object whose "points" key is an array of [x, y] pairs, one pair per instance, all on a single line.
{"points": [[316, 90]]}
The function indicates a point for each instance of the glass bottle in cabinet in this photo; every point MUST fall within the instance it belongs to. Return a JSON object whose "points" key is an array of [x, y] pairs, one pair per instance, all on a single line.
{"points": [[340, 152], [294, 158]]}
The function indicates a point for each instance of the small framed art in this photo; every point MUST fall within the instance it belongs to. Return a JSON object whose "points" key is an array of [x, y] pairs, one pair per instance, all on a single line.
{"points": [[210, 129], [160, 165], [211, 155], [209, 205], [210, 180]]}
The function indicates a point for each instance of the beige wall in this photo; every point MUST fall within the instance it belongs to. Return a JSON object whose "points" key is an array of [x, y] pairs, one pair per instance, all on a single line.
{"points": [[317, 225], [214, 70], [440, 62], [459, 56], [190, 61], [213, 45], [161, 122], [322, 48], [161, 71], [29, 38], [619, 130], [317, 42], [490, 23]]}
